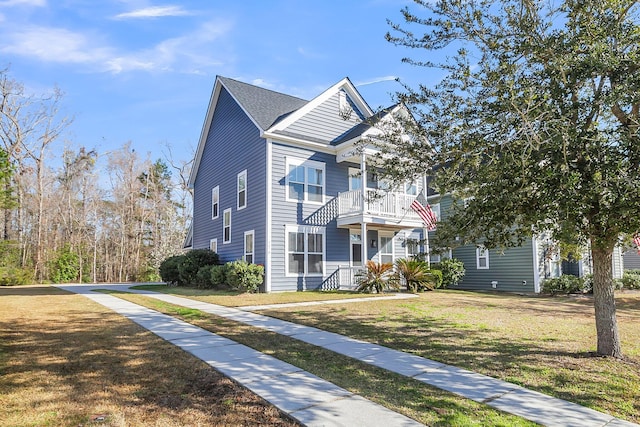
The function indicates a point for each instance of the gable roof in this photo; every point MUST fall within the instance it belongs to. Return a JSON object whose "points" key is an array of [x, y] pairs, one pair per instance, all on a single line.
{"points": [[344, 84], [264, 106]]}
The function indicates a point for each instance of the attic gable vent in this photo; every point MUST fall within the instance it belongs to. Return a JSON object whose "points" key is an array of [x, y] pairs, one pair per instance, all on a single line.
{"points": [[344, 106]]}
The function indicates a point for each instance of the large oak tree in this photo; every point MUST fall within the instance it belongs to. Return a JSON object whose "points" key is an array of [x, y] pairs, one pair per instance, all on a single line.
{"points": [[534, 122]]}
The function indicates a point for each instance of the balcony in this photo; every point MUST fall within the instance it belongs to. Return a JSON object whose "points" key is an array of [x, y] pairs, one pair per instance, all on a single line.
{"points": [[385, 208]]}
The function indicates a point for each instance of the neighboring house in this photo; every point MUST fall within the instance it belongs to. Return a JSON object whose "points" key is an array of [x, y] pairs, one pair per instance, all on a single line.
{"points": [[631, 259], [519, 269], [281, 181]]}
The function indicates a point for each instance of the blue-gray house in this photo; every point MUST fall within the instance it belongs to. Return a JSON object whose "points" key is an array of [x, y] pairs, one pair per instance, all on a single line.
{"points": [[282, 181]]}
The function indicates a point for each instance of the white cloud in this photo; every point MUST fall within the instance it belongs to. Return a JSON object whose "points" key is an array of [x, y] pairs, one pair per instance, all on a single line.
{"points": [[376, 80], [53, 45], [190, 53], [154, 12]]}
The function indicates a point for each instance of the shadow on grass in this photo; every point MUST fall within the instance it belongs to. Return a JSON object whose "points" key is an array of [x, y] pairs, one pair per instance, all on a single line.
{"points": [[599, 383]]}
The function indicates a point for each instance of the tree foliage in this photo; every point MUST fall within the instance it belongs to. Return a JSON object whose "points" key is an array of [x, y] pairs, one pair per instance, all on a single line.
{"points": [[534, 124]]}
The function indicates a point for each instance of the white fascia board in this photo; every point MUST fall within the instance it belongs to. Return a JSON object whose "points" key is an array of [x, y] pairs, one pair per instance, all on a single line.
{"points": [[318, 100], [299, 142]]}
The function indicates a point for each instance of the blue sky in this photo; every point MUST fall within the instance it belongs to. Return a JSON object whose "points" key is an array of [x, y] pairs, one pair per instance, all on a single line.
{"points": [[142, 71]]}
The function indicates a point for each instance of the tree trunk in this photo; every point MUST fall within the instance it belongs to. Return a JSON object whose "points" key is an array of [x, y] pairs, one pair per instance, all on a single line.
{"points": [[604, 303]]}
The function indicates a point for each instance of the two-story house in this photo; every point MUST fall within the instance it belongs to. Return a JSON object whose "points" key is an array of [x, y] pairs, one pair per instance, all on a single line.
{"points": [[283, 182]]}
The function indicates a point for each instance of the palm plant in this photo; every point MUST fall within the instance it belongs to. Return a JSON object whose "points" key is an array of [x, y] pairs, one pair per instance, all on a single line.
{"points": [[376, 277], [416, 275]]}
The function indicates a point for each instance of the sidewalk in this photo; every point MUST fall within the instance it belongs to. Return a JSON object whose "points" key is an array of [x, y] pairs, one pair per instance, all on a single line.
{"points": [[313, 401]]}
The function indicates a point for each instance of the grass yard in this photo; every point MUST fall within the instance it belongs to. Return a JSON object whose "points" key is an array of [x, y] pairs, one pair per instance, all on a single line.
{"points": [[541, 343], [67, 361], [236, 299], [421, 402]]}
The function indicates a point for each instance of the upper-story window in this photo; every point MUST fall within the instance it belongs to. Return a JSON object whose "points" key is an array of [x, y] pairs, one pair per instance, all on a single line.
{"points": [[305, 180], [226, 226], [215, 202], [242, 190], [411, 188]]}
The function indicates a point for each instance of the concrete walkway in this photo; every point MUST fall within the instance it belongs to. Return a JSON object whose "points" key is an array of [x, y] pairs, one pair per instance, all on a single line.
{"points": [[313, 401]]}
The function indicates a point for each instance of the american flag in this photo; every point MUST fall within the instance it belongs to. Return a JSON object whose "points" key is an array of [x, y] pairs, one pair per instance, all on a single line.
{"points": [[422, 208], [636, 241]]}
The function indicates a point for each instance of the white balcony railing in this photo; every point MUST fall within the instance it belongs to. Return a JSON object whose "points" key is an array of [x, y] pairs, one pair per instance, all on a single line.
{"points": [[386, 204]]}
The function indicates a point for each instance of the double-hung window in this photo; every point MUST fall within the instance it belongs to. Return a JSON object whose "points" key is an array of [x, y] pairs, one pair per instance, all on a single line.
{"points": [[242, 190], [215, 202], [482, 258], [248, 246], [213, 245], [305, 180], [226, 226], [305, 250]]}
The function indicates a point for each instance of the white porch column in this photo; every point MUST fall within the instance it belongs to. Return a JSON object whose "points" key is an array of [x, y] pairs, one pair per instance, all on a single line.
{"points": [[363, 224]]}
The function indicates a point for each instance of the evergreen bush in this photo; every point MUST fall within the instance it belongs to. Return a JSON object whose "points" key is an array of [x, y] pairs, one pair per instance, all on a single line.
{"points": [[243, 276], [565, 284], [452, 271], [169, 270], [193, 261], [218, 276]]}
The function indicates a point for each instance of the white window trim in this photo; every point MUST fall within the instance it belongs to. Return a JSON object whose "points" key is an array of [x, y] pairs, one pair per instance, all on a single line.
{"points": [[224, 242], [215, 191], [253, 251], [292, 161], [212, 243], [246, 194], [306, 230], [479, 251]]}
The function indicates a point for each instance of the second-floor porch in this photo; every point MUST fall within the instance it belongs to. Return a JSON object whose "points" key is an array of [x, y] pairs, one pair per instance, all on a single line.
{"points": [[384, 208]]}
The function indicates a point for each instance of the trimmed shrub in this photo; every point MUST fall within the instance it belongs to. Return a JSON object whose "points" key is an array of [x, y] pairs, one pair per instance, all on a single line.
{"points": [[565, 284], [452, 271], [203, 277], [193, 261], [631, 279], [218, 276], [169, 270], [243, 276]]}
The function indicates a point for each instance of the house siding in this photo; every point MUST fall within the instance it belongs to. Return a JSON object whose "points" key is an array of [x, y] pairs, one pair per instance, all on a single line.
{"points": [[323, 122], [286, 212], [232, 145], [631, 260], [509, 268]]}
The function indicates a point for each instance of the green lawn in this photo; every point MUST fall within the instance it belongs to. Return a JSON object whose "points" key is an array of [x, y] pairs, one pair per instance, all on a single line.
{"points": [[421, 402], [543, 343]]}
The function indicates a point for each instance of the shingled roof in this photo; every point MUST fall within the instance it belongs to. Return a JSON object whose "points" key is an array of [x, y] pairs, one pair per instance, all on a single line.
{"points": [[266, 107]]}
